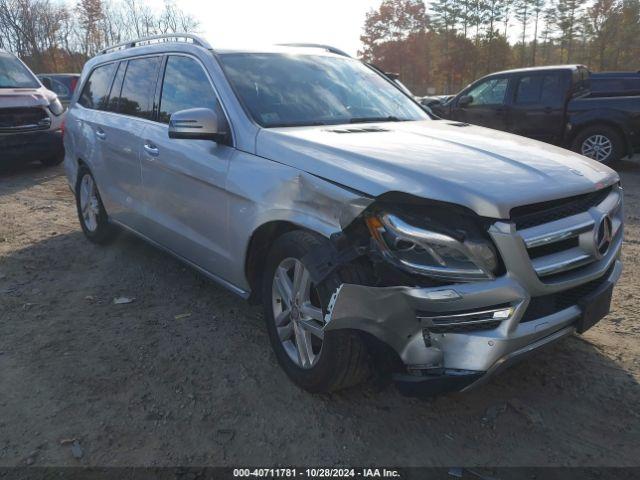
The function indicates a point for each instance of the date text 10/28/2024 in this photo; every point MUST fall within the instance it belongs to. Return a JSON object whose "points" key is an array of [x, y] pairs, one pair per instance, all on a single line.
{"points": [[316, 473]]}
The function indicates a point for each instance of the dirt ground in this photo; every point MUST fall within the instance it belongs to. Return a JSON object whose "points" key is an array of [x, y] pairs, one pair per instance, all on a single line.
{"points": [[185, 375]]}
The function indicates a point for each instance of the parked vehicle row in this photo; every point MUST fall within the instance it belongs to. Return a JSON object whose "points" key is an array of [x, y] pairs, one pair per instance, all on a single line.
{"points": [[564, 105], [375, 237], [31, 116]]}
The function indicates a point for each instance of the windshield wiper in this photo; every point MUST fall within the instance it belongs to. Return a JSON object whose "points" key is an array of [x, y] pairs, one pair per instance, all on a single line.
{"points": [[390, 118]]}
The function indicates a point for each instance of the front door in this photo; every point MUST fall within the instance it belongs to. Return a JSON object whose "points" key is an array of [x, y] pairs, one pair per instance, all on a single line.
{"points": [[184, 180], [129, 109], [488, 106]]}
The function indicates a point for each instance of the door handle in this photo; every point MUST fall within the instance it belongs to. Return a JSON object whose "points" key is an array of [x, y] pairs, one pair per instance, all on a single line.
{"points": [[547, 110], [151, 149], [100, 134]]}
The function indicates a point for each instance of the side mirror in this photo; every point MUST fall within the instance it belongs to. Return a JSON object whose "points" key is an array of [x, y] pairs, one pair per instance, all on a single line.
{"points": [[430, 102], [427, 109], [465, 100], [198, 124]]}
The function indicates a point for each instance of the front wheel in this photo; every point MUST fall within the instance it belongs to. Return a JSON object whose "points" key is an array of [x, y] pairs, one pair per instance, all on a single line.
{"points": [[294, 307], [601, 143]]}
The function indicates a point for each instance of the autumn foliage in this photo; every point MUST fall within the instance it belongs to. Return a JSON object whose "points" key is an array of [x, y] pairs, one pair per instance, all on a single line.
{"points": [[442, 48]]}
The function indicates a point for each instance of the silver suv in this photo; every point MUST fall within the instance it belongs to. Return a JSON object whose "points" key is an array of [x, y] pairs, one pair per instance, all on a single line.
{"points": [[379, 239]]}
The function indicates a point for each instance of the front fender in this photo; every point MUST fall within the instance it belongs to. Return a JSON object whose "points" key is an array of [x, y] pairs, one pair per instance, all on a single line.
{"points": [[275, 192]]}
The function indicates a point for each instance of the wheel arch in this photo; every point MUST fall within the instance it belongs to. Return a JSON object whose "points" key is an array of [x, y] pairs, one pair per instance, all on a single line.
{"points": [[258, 247], [594, 122]]}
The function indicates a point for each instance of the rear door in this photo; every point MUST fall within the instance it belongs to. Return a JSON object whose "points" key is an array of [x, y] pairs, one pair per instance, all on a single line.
{"points": [[131, 107], [184, 180], [539, 105], [488, 107], [84, 132]]}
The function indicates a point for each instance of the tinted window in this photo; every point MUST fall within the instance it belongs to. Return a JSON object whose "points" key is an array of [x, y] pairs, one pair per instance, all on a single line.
{"points": [[59, 87], [489, 92], [540, 89], [114, 96], [553, 90], [69, 81], [290, 90], [96, 91], [186, 85], [138, 87]]}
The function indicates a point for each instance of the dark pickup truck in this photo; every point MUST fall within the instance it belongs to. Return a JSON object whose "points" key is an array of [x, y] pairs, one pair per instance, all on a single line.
{"points": [[552, 104]]}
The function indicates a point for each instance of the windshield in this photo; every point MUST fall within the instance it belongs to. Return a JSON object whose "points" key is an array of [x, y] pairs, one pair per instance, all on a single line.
{"points": [[282, 90], [13, 74]]}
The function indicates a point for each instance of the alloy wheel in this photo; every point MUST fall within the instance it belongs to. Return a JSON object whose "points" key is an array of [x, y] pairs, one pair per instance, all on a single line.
{"points": [[89, 203], [598, 147], [297, 313]]}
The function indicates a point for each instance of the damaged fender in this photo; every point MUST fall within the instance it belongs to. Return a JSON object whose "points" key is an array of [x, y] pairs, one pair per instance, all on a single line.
{"points": [[286, 194]]}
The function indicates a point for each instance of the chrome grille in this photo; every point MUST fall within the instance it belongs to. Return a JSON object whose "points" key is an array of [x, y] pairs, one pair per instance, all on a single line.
{"points": [[568, 243]]}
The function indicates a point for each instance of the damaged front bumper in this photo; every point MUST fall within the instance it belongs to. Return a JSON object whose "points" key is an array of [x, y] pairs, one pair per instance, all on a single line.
{"points": [[454, 338]]}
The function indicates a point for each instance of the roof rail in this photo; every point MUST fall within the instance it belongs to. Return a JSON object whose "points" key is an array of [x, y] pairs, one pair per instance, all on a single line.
{"points": [[328, 48], [169, 37]]}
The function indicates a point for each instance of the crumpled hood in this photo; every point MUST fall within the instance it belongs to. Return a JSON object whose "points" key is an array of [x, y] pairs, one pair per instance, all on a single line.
{"points": [[485, 170], [25, 97]]}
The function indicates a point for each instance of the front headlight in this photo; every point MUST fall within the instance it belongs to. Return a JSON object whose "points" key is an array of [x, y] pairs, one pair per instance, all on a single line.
{"points": [[56, 107], [433, 253]]}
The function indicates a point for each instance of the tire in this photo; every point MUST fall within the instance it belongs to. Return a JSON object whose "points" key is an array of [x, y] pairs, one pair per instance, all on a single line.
{"points": [[95, 226], [342, 360], [601, 143], [53, 160]]}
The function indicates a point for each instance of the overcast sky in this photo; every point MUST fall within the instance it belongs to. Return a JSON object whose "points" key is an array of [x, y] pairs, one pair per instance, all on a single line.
{"points": [[228, 23]]}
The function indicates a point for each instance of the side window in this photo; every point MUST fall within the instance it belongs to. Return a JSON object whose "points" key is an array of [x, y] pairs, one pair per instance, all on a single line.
{"points": [[540, 89], [186, 85], [96, 91], [528, 90], [553, 90], [138, 88], [60, 88], [490, 92], [114, 96]]}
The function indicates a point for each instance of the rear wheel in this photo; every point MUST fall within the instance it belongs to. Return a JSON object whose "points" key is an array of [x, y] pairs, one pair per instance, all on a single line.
{"points": [[601, 143], [91, 213], [294, 307]]}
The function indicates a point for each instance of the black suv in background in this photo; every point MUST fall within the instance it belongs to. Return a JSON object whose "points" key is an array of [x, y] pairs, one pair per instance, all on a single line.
{"points": [[553, 104]]}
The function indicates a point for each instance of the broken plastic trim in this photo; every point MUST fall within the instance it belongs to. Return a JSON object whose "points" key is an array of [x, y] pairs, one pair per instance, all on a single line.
{"points": [[355, 240]]}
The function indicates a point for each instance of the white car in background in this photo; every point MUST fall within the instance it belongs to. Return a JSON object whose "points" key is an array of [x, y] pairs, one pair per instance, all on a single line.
{"points": [[31, 117]]}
